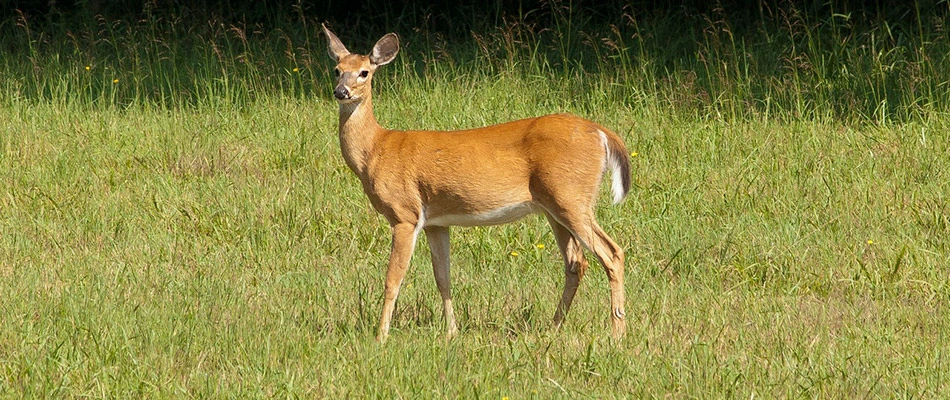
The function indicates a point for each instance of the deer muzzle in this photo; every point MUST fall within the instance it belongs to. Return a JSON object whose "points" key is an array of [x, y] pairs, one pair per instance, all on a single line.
{"points": [[341, 92]]}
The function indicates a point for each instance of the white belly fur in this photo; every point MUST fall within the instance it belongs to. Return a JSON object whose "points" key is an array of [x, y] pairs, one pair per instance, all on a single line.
{"points": [[497, 216]]}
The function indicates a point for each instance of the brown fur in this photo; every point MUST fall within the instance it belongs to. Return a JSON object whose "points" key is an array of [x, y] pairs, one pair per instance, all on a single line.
{"points": [[428, 180]]}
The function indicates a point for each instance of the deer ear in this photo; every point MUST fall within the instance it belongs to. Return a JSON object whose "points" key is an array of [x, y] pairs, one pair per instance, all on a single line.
{"points": [[334, 46], [385, 49]]}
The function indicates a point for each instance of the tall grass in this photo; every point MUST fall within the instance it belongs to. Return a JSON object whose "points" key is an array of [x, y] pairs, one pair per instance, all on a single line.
{"points": [[176, 220], [783, 61]]}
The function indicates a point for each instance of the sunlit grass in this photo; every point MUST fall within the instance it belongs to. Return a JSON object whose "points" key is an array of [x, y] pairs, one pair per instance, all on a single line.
{"points": [[191, 229]]}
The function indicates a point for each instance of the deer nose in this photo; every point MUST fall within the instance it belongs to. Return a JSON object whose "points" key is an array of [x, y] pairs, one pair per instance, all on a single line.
{"points": [[341, 92]]}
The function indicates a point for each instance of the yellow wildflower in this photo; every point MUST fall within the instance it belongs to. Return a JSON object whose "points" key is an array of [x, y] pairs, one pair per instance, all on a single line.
{"points": [[870, 242], [116, 80], [513, 254], [296, 69], [88, 67], [634, 154], [539, 245]]}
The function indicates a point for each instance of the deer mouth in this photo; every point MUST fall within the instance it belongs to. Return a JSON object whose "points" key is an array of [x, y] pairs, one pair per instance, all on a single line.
{"points": [[342, 93]]}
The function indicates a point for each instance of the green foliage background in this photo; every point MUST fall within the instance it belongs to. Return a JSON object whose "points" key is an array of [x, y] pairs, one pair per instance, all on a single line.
{"points": [[176, 219]]}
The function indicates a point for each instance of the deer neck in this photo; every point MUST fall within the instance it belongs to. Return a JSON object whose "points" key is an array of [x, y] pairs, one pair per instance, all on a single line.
{"points": [[358, 131]]}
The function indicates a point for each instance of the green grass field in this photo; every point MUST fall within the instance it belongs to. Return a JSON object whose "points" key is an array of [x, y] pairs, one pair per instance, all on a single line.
{"points": [[189, 229]]}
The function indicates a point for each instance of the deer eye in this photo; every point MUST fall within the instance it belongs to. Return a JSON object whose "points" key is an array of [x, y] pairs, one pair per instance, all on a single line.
{"points": [[364, 73], [336, 72]]}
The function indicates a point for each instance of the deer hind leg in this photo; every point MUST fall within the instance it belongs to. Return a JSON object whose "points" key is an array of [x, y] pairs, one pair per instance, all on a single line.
{"points": [[575, 265], [404, 242], [438, 237], [585, 229]]}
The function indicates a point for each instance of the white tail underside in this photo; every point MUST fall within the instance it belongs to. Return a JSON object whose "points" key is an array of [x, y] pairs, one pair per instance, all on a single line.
{"points": [[613, 164]]}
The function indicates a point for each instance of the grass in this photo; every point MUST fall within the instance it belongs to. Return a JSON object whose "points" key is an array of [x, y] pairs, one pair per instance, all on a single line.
{"points": [[178, 235]]}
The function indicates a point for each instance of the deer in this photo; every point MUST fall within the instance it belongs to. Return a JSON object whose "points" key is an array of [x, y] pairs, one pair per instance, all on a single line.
{"points": [[427, 181]]}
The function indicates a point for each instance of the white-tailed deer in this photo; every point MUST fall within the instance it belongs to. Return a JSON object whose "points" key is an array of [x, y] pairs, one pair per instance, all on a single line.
{"points": [[429, 180]]}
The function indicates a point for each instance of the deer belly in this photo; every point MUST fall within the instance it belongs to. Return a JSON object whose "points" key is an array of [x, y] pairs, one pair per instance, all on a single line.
{"points": [[501, 215]]}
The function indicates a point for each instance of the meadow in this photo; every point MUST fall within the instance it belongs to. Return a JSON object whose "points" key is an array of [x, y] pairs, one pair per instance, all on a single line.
{"points": [[176, 219]]}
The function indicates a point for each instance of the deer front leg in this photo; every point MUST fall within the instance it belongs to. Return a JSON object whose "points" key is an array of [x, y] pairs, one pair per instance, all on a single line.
{"points": [[404, 241], [438, 237]]}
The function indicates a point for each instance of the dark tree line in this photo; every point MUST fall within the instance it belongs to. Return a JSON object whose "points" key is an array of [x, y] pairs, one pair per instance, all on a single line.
{"points": [[447, 16]]}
